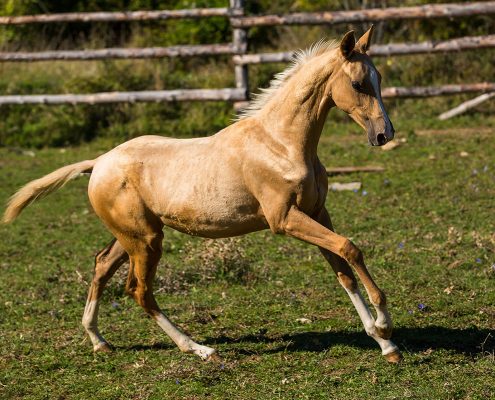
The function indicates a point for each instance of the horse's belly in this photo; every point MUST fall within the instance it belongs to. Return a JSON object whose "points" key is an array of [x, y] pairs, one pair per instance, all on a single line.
{"points": [[214, 222], [210, 208]]}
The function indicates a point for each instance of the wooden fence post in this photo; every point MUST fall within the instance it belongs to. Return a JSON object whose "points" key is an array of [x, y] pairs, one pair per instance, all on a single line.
{"points": [[239, 40]]}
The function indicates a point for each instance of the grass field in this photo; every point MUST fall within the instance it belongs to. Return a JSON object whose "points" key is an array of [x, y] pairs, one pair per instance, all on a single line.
{"points": [[426, 227]]}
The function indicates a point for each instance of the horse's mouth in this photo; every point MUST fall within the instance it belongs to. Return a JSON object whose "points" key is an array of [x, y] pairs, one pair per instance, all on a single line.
{"points": [[379, 140]]}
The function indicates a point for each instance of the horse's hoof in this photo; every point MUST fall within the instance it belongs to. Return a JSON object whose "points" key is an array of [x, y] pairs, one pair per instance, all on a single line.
{"points": [[214, 358], [394, 357], [102, 348], [384, 333]]}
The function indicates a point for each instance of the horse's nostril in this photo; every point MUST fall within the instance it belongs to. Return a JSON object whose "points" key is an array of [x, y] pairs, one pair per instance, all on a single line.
{"points": [[381, 139]]}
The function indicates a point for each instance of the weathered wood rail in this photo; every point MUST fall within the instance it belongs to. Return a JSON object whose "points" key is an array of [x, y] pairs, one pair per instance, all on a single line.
{"points": [[238, 20], [235, 95], [122, 53], [124, 16], [432, 91], [239, 46], [387, 50], [426, 11], [129, 97]]}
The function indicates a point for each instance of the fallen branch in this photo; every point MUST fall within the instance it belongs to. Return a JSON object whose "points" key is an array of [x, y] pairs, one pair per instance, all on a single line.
{"points": [[463, 107], [350, 170]]}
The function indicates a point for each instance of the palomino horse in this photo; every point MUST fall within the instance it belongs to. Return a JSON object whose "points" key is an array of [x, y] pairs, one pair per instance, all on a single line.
{"points": [[260, 172]]}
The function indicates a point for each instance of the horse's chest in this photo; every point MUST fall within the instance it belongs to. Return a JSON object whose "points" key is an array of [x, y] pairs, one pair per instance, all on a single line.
{"points": [[310, 192], [307, 197]]}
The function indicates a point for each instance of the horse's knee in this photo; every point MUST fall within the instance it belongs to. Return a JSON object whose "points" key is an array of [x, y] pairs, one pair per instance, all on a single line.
{"points": [[378, 298], [102, 255], [131, 283], [107, 261], [140, 297], [351, 253], [348, 282], [143, 295]]}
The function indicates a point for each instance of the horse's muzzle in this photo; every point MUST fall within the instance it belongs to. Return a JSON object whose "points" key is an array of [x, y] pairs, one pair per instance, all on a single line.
{"points": [[383, 137]]}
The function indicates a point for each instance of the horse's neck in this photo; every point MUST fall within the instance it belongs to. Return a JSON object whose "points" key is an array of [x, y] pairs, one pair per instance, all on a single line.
{"points": [[296, 115]]}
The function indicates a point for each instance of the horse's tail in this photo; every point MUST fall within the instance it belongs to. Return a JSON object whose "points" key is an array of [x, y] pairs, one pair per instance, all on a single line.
{"points": [[43, 186]]}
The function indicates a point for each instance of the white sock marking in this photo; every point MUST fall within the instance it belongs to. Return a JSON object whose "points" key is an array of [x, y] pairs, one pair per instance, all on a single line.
{"points": [[364, 313], [90, 323]]}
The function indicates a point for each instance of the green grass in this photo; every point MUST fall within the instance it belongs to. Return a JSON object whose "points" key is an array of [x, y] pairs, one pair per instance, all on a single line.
{"points": [[425, 225]]}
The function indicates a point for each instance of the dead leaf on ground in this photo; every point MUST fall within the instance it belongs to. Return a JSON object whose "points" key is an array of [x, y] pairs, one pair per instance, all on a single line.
{"points": [[390, 145], [448, 289], [454, 264]]}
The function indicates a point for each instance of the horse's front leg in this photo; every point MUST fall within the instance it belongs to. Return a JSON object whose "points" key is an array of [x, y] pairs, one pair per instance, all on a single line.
{"points": [[340, 252]]}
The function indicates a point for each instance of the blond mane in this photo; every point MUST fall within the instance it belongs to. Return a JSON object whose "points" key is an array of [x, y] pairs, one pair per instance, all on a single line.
{"points": [[298, 60]]}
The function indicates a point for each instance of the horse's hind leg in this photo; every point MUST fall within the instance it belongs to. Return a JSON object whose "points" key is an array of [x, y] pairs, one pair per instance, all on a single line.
{"points": [[107, 262], [144, 259]]}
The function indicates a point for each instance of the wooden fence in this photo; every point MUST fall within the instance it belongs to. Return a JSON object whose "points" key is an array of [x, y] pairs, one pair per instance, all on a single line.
{"points": [[239, 46]]}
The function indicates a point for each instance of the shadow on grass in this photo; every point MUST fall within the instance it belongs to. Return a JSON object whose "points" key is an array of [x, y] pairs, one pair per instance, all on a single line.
{"points": [[143, 347], [467, 341]]}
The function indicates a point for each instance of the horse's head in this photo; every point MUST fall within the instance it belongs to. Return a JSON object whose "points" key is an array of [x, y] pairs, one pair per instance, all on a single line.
{"points": [[356, 89]]}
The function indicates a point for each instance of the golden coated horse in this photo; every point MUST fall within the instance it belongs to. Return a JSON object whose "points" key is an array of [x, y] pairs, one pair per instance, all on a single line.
{"points": [[260, 172]]}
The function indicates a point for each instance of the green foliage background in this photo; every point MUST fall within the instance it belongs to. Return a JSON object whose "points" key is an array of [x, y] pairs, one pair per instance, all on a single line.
{"points": [[63, 125]]}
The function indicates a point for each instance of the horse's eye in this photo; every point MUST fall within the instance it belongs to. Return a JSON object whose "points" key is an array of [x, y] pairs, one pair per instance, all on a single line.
{"points": [[356, 85]]}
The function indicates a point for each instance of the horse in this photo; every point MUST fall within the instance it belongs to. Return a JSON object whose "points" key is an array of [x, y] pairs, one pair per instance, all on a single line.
{"points": [[260, 172]]}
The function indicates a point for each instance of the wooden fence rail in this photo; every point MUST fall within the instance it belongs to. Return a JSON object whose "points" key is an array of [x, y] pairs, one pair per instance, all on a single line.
{"points": [[124, 16], [426, 11], [238, 48], [393, 49], [129, 97], [235, 95], [431, 91], [122, 53]]}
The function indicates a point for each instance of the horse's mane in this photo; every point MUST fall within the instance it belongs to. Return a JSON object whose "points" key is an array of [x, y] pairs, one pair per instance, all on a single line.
{"points": [[298, 60]]}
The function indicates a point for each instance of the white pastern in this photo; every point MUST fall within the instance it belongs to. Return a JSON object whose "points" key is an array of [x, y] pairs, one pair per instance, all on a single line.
{"points": [[184, 342], [383, 319], [90, 323], [364, 313]]}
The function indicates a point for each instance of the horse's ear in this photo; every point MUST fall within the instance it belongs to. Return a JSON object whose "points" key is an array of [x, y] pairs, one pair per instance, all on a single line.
{"points": [[364, 42], [347, 44]]}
